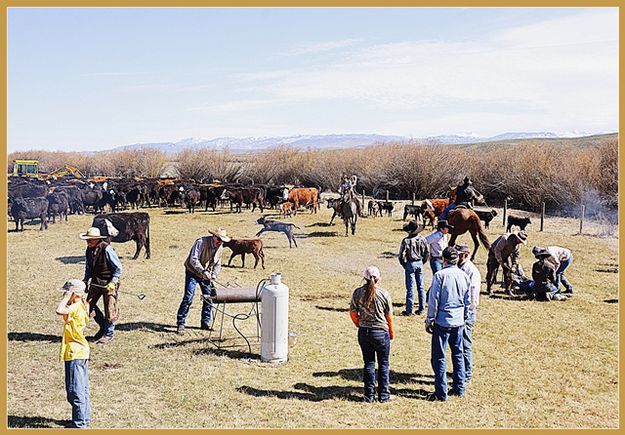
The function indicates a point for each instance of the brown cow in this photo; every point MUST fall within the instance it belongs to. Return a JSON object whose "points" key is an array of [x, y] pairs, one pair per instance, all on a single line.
{"points": [[304, 196], [286, 208], [242, 247]]}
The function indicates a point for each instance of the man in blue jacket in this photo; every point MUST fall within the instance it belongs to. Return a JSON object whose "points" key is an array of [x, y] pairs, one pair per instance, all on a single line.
{"points": [[448, 307]]}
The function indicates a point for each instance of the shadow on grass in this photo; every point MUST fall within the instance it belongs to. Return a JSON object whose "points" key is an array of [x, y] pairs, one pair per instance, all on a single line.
{"points": [[156, 327], [388, 254], [507, 297], [317, 394], [338, 310], [33, 336], [35, 422], [323, 234], [233, 354], [71, 259], [611, 301], [611, 269], [394, 377], [319, 224], [181, 211], [308, 392]]}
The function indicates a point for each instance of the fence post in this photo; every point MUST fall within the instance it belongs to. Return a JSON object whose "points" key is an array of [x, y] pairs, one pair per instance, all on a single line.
{"points": [[542, 215], [363, 199], [412, 198], [581, 218], [505, 210], [387, 196]]}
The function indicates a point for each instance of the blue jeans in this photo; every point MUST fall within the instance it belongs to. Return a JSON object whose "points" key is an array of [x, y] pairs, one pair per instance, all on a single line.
{"points": [[467, 344], [414, 276], [446, 211], [436, 264], [106, 327], [440, 337], [560, 275], [190, 283], [77, 388], [375, 342]]}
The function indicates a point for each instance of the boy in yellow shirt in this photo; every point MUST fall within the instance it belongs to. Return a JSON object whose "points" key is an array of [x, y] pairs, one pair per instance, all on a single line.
{"points": [[75, 350]]}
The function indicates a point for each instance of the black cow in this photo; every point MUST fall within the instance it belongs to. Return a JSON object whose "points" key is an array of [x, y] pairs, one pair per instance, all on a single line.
{"points": [[27, 189], [374, 208], [209, 195], [91, 198], [133, 197], [335, 204], [387, 207], [247, 195], [486, 216], [521, 222], [126, 227], [275, 195], [58, 202], [30, 208], [412, 210], [191, 197]]}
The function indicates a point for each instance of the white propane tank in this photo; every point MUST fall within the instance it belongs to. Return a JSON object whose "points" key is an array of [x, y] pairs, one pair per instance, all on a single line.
{"points": [[274, 334]]}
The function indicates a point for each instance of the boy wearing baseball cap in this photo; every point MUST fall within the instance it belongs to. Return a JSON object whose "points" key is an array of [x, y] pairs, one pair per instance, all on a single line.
{"points": [[75, 350]]}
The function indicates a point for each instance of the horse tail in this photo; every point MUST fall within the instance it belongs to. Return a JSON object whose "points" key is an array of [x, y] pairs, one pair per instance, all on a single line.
{"points": [[480, 232]]}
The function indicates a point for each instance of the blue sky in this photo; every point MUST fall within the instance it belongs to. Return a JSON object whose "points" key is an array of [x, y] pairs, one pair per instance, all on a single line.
{"points": [[86, 79]]}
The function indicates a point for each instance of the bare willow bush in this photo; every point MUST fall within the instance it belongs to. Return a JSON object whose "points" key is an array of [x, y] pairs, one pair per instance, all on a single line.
{"points": [[208, 165]]}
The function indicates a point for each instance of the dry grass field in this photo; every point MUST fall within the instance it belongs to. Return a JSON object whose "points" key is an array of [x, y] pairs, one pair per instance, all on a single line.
{"points": [[537, 365]]}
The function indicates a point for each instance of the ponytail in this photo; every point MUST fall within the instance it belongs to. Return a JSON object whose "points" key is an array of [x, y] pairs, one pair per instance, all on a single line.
{"points": [[370, 291]]}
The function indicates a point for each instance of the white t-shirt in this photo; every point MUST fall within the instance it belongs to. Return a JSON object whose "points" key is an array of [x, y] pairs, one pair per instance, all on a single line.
{"points": [[476, 280]]}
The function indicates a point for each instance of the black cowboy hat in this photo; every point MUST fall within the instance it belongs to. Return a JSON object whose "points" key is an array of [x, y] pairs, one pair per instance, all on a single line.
{"points": [[444, 224], [540, 252], [412, 227]]}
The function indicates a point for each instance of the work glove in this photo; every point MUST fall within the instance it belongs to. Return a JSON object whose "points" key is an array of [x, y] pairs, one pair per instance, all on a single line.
{"points": [[206, 275], [429, 326], [111, 287]]}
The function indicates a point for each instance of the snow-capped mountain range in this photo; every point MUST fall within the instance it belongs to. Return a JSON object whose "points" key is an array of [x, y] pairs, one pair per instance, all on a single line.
{"points": [[330, 141]]}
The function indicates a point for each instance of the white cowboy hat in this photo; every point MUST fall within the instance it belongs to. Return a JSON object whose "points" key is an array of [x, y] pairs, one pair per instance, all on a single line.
{"points": [[92, 233], [75, 286], [221, 234]]}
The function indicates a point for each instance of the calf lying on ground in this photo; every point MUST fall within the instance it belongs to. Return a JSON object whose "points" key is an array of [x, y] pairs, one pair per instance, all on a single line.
{"points": [[282, 227], [486, 216], [242, 247], [521, 222]]}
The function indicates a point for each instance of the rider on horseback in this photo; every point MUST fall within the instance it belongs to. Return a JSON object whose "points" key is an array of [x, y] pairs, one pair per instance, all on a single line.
{"points": [[346, 190], [465, 194]]}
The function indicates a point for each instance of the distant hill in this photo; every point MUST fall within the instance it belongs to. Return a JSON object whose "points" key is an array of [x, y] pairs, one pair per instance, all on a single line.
{"points": [[336, 141]]}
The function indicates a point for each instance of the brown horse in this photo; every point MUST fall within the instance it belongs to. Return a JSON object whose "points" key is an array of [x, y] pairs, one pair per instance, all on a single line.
{"points": [[438, 204], [463, 220]]}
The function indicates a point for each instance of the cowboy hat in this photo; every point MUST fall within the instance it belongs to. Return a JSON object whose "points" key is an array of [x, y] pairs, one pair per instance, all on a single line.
{"points": [[412, 227], [443, 224], [75, 286], [522, 236], [462, 248], [92, 233], [220, 233], [538, 252]]}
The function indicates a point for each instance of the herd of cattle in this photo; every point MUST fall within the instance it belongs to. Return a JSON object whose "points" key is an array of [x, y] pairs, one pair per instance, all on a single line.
{"points": [[32, 199]]}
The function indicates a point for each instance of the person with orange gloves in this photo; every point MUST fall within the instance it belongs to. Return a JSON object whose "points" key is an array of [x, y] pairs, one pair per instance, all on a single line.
{"points": [[371, 311]]}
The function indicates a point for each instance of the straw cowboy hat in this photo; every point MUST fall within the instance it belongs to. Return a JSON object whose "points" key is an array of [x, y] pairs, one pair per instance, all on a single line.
{"points": [[75, 286], [522, 236], [221, 234], [92, 233]]}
